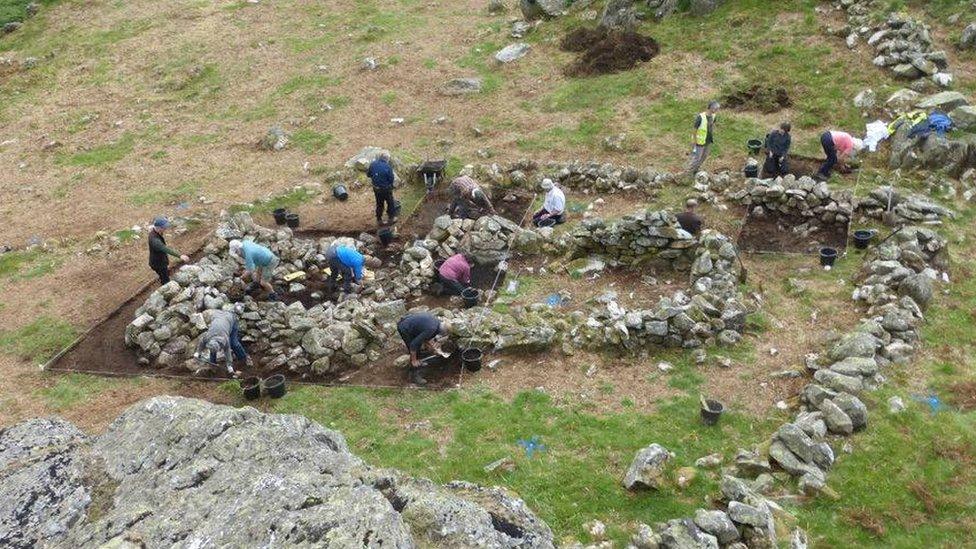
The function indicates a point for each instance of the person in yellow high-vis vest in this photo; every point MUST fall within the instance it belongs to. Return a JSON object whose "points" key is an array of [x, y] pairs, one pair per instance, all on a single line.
{"points": [[704, 137]]}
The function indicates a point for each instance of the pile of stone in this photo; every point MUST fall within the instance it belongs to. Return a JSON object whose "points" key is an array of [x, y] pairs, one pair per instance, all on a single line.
{"points": [[324, 338], [903, 44], [182, 471], [905, 265], [748, 519], [803, 197], [906, 209], [577, 175], [487, 239], [635, 239], [534, 328]]}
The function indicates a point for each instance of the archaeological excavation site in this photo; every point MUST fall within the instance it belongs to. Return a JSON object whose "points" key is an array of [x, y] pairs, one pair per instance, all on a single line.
{"points": [[583, 274]]}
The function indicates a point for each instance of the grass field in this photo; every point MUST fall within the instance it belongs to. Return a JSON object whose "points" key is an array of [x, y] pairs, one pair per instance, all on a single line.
{"points": [[136, 109]]}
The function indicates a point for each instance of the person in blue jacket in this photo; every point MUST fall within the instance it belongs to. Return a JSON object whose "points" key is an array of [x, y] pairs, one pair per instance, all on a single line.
{"points": [[348, 263], [380, 172], [259, 265]]}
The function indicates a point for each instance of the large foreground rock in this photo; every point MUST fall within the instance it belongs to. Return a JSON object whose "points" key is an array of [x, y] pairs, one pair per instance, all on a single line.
{"points": [[180, 472]]}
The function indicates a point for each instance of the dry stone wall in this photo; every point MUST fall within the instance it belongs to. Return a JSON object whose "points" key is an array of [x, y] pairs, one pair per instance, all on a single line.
{"points": [[803, 197]]}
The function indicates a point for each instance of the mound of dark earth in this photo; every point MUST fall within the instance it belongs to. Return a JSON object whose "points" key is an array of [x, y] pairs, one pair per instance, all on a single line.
{"points": [[181, 472], [765, 99], [605, 51]]}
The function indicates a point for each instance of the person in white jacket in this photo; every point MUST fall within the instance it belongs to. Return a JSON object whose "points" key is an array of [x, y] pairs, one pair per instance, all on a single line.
{"points": [[554, 206]]}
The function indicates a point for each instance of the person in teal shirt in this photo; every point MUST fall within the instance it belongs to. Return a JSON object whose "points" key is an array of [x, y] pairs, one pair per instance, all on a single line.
{"points": [[259, 264]]}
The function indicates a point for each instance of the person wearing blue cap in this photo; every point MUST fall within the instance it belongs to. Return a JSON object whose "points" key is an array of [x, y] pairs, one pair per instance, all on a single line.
{"points": [[159, 252], [345, 261]]}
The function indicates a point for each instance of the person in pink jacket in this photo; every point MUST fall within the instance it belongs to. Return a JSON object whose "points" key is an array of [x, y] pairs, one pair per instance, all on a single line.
{"points": [[838, 146], [455, 274]]}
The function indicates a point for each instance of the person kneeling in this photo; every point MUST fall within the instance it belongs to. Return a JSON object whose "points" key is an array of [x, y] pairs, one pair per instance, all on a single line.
{"points": [[418, 331], [455, 274], [554, 206], [223, 334]]}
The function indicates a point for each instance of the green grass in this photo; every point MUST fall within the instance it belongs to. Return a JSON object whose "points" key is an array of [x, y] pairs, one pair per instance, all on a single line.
{"points": [[16, 10], [290, 199], [39, 340], [71, 390], [184, 191], [100, 155], [22, 265], [576, 479], [919, 494], [311, 141]]}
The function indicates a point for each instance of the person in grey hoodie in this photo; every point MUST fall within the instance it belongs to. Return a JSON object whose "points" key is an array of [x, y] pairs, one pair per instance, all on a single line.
{"points": [[223, 334]]}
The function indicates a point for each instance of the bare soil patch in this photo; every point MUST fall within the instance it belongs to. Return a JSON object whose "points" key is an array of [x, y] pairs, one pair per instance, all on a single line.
{"points": [[808, 166], [603, 51], [765, 99], [775, 233], [963, 395]]}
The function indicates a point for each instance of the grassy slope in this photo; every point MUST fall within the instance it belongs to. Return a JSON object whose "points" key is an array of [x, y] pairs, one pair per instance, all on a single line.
{"points": [[905, 485]]}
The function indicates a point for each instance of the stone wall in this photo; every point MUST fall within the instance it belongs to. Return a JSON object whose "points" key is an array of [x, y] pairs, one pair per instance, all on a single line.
{"points": [[635, 239], [803, 197], [906, 208], [325, 338]]}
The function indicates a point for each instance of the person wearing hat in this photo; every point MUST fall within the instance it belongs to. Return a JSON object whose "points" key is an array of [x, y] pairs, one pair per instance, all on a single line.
{"points": [[468, 198], [554, 205], [688, 219], [421, 331], [259, 265], [223, 335], [345, 261], [838, 146], [159, 252]]}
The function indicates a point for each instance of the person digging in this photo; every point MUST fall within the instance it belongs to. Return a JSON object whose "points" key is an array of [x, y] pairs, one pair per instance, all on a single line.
{"points": [[159, 252], [554, 205], [380, 172], [688, 219], [348, 263], [259, 265], [455, 274], [468, 199], [839, 147], [421, 332], [223, 335]]}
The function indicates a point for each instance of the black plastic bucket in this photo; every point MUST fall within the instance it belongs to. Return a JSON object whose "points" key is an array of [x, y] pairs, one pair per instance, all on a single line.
{"points": [[751, 171], [547, 222], [274, 386], [340, 192], [470, 296], [471, 359], [862, 239], [437, 265], [827, 256], [754, 145], [711, 410], [292, 220], [386, 236], [279, 215], [251, 388]]}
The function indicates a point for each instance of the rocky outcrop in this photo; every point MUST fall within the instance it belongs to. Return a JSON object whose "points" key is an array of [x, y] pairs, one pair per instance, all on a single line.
{"points": [[948, 154], [541, 9], [174, 471]]}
